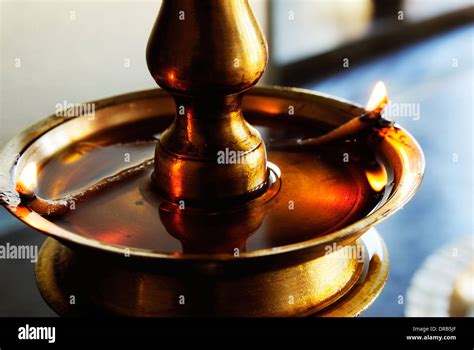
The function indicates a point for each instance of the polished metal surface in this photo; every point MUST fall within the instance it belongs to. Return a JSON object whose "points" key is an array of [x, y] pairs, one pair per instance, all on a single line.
{"points": [[259, 277], [114, 285], [369, 286], [206, 53], [400, 153], [60, 275]]}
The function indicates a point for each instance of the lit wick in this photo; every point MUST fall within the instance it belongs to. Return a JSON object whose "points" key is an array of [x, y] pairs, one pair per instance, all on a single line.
{"points": [[27, 180], [371, 117], [27, 184], [378, 99]]}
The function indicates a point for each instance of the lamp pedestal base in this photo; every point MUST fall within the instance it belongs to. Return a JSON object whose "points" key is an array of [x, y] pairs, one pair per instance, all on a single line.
{"points": [[71, 288]]}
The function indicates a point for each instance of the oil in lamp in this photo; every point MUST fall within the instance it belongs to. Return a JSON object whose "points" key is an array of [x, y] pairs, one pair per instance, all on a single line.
{"points": [[207, 197]]}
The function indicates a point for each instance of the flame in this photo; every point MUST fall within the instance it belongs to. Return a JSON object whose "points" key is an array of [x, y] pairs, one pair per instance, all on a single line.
{"points": [[378, 99], [28, 179], [377, 178]]}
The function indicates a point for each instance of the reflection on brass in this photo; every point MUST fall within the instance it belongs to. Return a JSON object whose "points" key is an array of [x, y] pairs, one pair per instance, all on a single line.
{"points": [[210, 231], [401, 157], [206, 53]]}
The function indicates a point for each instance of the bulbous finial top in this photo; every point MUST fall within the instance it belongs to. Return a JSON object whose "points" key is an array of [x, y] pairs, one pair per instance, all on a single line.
{"points": [[206, 46]]}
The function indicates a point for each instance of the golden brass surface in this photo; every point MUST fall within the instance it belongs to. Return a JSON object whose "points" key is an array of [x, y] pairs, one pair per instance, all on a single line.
{"points": [[368, 288], [120, 286], [278, 266], [206, 53], [277, 293], [398, 150]]}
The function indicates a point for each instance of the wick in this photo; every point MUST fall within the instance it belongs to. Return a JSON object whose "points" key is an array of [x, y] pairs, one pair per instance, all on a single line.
{"points": [[60, 206], [350, 128]]}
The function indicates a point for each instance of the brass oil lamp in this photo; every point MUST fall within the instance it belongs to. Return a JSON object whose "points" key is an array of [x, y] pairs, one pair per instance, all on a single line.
{"points": [[208, 198]]}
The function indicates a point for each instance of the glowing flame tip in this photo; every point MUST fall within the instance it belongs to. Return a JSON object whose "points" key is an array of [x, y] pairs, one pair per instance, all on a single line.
{"points": [[27, 179], [378, 99]]}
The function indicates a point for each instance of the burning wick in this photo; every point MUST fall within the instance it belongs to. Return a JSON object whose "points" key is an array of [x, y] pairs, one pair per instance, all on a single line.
{"points": [[378, 100], [373, 115], [27, 184]]}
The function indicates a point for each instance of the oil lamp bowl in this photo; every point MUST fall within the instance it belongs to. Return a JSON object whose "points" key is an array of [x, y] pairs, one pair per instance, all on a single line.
{"points": [[281, 270]]}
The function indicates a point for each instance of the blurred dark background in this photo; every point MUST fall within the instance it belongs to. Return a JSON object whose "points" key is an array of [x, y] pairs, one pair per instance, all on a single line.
{"points": [[422, 49]]}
